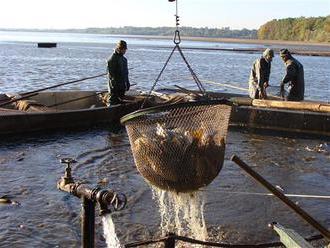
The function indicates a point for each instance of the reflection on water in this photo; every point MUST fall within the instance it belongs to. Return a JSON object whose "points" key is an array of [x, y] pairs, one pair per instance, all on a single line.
{"points": [[30, 168]]}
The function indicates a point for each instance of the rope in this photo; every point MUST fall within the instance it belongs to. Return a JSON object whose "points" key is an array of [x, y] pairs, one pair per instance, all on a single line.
{"points": [[236, 87], [214, 244], [326, 197], [225, 85]]}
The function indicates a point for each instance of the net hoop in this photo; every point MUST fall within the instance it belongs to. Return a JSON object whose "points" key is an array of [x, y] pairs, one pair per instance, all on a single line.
{"points": [[134, 115]]}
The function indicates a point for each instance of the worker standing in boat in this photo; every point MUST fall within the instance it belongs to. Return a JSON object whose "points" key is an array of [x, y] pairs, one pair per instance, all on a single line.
{"points": [[259, 76], [294, 76], [118, 73]]}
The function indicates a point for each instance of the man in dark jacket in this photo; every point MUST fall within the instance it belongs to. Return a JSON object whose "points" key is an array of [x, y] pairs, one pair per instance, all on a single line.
{"points": [[294, 76], [259, 76], [118, 73]]}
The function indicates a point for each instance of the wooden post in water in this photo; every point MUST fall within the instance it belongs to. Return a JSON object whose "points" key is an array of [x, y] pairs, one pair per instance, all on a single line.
{"points": [[282, 197]]}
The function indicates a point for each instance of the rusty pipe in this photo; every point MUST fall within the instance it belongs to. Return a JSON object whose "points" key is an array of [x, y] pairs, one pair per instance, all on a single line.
{"points": [[106, 198]]}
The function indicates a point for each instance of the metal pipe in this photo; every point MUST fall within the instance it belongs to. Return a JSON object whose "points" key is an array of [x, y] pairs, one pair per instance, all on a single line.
{"points": [[282, 197], [87, 223], [90, 196], [105, 197]]}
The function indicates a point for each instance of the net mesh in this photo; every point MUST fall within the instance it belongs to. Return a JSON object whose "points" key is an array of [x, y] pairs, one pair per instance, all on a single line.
{"points": [[180, 148]]}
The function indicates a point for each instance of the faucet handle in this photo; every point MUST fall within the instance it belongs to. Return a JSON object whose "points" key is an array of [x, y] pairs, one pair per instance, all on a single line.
{"points": [[67, 175], [119, 201], [68, 161]]}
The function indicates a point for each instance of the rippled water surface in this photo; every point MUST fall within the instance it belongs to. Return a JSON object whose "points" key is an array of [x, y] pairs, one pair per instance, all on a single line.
{"points": [[25, 67], [30, 168]]}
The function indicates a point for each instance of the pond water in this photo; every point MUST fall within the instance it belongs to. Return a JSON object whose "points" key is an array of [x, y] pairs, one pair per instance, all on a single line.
{"points": [[30, 168]]}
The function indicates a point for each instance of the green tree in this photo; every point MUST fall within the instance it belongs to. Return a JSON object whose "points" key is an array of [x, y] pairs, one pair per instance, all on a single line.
{"points": [[313, 29]]}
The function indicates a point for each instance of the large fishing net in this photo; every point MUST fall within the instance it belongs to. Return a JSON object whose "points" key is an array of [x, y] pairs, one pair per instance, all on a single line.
{"points": [[179, 147]]}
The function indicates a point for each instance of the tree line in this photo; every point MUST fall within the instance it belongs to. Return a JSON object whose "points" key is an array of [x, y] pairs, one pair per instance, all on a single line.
{"points": [[186, 31], [313, 29]]}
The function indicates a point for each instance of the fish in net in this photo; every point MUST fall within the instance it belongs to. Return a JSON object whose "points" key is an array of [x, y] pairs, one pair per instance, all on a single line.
{"points": [[179, 147]]}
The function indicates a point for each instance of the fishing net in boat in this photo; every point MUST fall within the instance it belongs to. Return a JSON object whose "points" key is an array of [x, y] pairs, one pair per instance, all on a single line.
{"points": [[179, 147]]}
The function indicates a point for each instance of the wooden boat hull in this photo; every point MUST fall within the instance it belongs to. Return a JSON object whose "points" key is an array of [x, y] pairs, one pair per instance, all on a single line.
{"points": [[30, 122], [90, 111], [297, 121], [304, 118], [87, 112], [293, 121]]}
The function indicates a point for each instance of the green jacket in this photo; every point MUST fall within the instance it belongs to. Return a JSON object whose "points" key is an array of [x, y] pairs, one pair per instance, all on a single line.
{"points": [[118, 72], [259, 75]]}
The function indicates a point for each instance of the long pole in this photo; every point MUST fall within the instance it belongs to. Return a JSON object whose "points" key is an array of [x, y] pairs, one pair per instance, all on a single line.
{"points": [[282, 197], [34, 92]]}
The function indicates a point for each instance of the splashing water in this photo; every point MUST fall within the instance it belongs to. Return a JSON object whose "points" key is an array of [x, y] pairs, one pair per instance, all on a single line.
{"points": [[182, 214], [110, 233]]}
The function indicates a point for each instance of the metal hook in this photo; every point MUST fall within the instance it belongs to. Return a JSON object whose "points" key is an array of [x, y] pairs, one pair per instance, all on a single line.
{"points": [[177, 38]]}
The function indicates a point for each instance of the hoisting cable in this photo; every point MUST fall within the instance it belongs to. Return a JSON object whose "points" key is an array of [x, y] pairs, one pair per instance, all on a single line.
{"points": [[213, 244], [196, 79], [158, 77], [176, 41]]}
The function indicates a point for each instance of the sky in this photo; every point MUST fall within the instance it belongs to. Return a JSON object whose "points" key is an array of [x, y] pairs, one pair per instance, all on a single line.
{"points": [[236, 14]]}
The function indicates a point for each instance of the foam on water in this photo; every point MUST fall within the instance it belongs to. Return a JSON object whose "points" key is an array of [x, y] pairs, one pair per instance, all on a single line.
{"points": [[110, 232], [182, 214]]}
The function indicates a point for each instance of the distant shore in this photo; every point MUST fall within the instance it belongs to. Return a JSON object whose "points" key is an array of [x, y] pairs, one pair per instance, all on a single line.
{"points": [[296, 47]]}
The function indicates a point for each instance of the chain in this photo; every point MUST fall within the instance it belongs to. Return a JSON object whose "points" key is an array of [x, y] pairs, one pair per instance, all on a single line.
{"points": [[177, 38]]}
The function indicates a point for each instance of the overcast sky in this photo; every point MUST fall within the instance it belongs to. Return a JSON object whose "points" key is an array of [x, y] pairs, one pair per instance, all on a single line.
{"points": [[236, 14]]}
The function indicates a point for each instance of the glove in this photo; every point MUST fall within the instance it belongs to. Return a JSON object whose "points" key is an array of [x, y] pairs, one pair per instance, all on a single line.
{"points": [[263, 94]]}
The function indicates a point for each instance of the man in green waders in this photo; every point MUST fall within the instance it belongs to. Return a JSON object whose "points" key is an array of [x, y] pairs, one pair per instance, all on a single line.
{"points": [[294, 77], [118, 73], [259, 76]]}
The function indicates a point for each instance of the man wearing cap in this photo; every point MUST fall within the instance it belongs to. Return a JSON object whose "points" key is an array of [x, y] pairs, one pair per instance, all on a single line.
{"points": [[294, 77], [118, 73], [259, 76]]}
